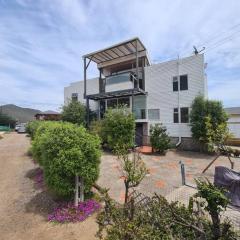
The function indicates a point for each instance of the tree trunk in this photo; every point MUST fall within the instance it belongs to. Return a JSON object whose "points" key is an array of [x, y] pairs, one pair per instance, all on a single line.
{"points": [[216, 225], [76, 191], [126, 191]]}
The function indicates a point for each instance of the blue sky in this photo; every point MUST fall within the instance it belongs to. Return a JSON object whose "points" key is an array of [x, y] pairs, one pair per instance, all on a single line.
{"points": [[42, 42]]}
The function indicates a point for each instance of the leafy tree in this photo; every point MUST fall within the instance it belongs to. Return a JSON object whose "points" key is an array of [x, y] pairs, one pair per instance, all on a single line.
{"points": [[96, 128], [215, 203], [74, 112], [66, 151], [155, 218], [208, 122], [159, 138], [6, 120], [118, 128]]}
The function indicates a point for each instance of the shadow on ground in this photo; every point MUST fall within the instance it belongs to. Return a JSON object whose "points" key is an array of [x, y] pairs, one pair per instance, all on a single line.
{"points": [[41, 204]]}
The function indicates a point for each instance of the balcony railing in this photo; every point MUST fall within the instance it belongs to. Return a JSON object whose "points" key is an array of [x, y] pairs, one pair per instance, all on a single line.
{"points": [[140, 114], [147, 114]]}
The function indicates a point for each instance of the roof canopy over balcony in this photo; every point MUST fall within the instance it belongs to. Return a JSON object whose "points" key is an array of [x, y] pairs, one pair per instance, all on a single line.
{"points": [[120, 52], [116, 94]]}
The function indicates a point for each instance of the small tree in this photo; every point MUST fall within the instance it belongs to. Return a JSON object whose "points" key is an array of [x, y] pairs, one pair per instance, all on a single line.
{"points": [[74, 112], [159, 138], [119, 128], [208, 122], [215, 202], [66, 151], [133, 170]]}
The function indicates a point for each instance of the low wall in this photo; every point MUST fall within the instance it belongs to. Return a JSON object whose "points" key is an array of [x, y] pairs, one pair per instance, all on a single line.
{"points": [[187, 144]]}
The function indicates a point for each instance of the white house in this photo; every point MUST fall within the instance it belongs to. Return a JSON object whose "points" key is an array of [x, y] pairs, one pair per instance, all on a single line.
{"points": [[234, 121], [156, 93]]}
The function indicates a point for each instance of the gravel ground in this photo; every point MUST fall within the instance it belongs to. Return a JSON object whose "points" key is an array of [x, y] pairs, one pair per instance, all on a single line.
{"points": [[23, 207]]}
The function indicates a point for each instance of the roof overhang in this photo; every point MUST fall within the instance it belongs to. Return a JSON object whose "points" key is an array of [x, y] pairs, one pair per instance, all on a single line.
{"points": [[116, 94], [123, 51]]}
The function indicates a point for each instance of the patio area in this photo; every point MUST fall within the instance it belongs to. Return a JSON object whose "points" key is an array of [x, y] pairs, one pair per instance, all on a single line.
{"points": [[164, 172]]}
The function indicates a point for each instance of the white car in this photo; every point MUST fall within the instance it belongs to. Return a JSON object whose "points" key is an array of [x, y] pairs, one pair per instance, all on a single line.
{"points": [[17, 127], [22, 128]]}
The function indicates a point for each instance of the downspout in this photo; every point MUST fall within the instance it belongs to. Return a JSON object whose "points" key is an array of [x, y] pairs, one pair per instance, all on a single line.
{"points": [[179, 130]]}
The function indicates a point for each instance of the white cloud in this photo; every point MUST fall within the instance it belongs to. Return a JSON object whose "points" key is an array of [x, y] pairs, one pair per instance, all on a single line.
{"points": [[42, 42]]}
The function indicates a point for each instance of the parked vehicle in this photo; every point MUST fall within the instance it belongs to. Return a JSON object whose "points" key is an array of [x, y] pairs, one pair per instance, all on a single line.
{"points": [[22, 128], [17, 127]]}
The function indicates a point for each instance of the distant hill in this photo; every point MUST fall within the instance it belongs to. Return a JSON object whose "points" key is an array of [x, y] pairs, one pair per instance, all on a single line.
{"points": [[20, 114]]}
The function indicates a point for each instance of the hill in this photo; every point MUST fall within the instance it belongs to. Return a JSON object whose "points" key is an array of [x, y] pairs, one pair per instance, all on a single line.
{"points": [[20, 114]]}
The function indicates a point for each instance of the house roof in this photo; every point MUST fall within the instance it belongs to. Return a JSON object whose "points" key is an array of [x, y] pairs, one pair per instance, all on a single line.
{"points": [[116, 51], [233, 110], [48, 112]]}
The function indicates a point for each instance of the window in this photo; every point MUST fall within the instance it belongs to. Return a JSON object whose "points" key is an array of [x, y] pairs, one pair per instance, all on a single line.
{"points": [[184, 115], [117, 102], [153, 114], [175, 115], [175, 84], [112, 103], [125, 101], [183, 82], [74, 97]]}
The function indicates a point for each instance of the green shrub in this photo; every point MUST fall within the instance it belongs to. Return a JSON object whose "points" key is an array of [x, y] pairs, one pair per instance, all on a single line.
{"points": [[39, 140], [159, 138], [32, 127], [96, 128], [65, 150], [118, 128], [74, 112], [208, 123]]}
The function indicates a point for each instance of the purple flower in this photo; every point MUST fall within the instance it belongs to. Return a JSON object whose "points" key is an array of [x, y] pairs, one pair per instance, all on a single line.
{"points": [[69, 213]]}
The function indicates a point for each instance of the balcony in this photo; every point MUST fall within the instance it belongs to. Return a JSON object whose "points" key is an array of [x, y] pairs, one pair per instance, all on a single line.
{"points": [[147, 114]]}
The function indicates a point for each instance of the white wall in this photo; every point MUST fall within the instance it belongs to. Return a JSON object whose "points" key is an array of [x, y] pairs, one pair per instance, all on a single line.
{"points": [[158, 84], [158, 81], [234, 125], [78, 87]]}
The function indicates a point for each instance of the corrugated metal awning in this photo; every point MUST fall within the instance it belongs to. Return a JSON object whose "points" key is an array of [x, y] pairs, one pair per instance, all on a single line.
{"points": [[116, 94], [119, 50]]}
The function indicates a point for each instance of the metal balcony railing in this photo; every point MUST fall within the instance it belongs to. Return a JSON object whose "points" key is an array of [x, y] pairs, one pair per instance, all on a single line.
{"points": [[148, 114]]}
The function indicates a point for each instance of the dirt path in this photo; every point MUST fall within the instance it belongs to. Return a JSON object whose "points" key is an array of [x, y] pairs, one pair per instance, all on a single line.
{"points": [[23, 209]]}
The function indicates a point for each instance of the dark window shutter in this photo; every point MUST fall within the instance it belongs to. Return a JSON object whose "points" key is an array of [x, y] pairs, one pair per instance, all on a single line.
{"points": [[175, 84], [175, 115], [183, 82], [184, 115]]}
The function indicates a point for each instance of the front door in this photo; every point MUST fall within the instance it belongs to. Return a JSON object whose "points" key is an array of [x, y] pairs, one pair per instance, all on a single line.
{"points": [[139, 134]]}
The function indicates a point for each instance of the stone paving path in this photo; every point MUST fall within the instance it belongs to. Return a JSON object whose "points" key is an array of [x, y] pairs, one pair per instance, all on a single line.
{"points": [[183, 193], [164, 172]]}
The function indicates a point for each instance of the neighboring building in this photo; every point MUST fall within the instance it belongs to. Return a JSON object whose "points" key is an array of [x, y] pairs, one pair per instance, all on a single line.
{"points": [[48, 116], [156, 93], [234, 120]]}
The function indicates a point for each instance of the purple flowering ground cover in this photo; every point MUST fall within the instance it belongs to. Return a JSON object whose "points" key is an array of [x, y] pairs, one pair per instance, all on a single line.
{"points": [[69, 213]]}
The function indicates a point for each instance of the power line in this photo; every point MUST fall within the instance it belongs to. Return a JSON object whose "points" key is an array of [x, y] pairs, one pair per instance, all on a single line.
{"points": [[219, 34]]}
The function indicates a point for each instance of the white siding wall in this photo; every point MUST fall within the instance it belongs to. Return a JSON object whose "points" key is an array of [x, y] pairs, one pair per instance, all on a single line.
{"points": [[158, 84], [158, 81], [78, 87], [234, 125]]}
